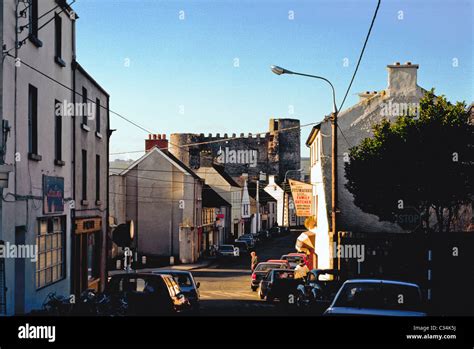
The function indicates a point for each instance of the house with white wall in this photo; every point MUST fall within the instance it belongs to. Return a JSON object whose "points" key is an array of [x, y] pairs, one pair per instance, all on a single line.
{"points": [[355, 124], [223, 184], [163, 197]]}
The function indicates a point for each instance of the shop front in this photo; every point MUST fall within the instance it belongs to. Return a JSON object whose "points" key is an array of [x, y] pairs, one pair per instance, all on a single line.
{"points": [[86, 258]]}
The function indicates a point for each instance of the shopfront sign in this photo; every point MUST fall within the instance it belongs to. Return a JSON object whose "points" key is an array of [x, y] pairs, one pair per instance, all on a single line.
{"points": [[301, 193]]}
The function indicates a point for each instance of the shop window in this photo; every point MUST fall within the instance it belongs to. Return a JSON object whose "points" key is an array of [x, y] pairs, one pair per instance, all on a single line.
{"points": [[51, 250]]}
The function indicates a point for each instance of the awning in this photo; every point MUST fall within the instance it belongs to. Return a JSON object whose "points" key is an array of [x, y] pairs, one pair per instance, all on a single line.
{"points": [[305, 242]]}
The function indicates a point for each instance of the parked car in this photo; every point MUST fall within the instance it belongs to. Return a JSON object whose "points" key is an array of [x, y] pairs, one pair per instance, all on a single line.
{"points": [[278, 284], [242, 246], [261, 270], [295, 259], [373, 297], [281, 261], [248, 239], [147, 294], [262, 235], [227, 251], [275, 231], [189, 287], [319, 289]]}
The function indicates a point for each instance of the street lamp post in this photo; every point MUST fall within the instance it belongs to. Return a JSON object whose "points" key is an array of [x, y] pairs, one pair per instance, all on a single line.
{"points": [[279, 71]]}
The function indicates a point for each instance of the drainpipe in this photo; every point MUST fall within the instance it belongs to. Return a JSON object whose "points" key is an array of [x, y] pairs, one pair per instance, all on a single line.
{"points": [[74, 267]]}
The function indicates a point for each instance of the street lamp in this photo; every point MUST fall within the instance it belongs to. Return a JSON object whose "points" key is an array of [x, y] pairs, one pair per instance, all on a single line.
{"points": [[279, 71], [286, 173]]}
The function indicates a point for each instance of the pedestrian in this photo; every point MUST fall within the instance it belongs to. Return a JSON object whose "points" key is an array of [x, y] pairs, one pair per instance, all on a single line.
{"points": [[301, 270], [254, 260]]}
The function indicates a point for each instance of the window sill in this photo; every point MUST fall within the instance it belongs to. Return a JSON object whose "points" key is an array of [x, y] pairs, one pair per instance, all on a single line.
{"points": [[34, 39], [84, 203], [59, 61], [98, 135], [34, 157], [85, 127], [98, 203], [59, 163]]}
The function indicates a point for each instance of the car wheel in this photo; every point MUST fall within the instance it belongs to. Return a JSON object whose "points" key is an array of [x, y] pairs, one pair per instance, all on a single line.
{"points": [[253, 288], [260, 294], [300, 300]]}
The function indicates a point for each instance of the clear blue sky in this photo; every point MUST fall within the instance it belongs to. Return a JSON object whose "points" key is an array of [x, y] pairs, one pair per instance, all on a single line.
{"points": [[188, 64]]}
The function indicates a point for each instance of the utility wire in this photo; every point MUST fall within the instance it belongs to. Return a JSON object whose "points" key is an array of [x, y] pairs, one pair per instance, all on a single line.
{"points": [[227, 139], [361, 54]]}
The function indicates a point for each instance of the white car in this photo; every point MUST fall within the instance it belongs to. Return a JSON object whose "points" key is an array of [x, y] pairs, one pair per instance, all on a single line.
{"points": [[227, 251], [375, 297]]}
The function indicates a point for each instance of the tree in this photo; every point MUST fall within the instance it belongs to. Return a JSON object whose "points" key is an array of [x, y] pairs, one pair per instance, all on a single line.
{"points": [[424, 161]]}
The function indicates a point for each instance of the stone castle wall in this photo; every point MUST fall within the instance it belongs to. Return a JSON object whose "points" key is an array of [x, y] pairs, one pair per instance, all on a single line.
{"points": [[273, 153]]}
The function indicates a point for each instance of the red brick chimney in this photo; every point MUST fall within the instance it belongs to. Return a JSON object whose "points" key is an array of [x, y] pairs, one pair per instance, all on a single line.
{"points": [[156, 140]]}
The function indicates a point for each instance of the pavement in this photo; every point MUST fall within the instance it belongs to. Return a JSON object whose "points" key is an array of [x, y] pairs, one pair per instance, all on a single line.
{"points": [[188, 267]]}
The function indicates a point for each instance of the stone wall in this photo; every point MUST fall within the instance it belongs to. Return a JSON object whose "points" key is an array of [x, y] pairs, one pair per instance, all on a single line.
{"points": [[274, 152]]}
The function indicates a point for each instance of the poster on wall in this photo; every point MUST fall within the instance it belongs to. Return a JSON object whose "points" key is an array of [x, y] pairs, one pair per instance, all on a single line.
{"points": [[53, 194], [301, 193]]}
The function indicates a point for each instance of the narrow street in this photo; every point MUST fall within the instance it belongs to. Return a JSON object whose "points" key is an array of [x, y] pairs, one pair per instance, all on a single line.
{"points": [[225, 287]]}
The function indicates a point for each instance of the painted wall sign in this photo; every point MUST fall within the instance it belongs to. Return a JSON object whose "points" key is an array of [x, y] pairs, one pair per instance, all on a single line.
{"points": [[53, 194], [301, 193]]}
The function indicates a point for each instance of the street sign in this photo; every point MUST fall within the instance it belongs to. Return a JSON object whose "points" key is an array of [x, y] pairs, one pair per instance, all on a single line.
{"points": [[408, 218]]}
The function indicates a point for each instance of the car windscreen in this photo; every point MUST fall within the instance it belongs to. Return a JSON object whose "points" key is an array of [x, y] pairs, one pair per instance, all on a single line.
{"points": [[379, 296], [293, 259], [183, 280], [266, 267], [283, 274], [136, 284]]}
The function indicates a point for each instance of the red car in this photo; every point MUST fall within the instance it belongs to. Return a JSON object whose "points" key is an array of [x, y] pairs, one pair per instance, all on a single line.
{"points": [[281, 261], [295, 258]]}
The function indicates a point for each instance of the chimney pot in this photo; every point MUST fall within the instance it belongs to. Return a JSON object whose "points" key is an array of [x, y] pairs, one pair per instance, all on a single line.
{"points": [[408, 63], [149, 136], [163, 136], [154, 136], [397, 63]]}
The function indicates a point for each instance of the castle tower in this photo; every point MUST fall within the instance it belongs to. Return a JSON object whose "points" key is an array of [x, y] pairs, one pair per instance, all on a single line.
{"points": [[284, 151]]}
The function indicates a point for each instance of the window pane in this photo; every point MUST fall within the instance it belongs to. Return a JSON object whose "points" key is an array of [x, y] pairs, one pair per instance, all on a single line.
{"points": [[48, 259], [41, 261], [43, 227], [55, 273], [41, 278], [55, 257], [57, 225], [41, 244], [55, 241], [48, 276], [48, 242]]}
